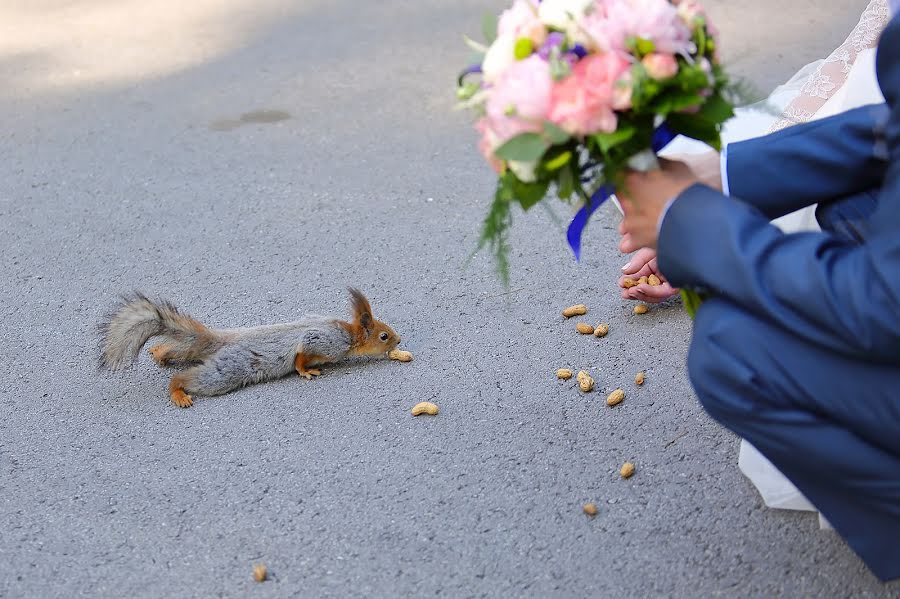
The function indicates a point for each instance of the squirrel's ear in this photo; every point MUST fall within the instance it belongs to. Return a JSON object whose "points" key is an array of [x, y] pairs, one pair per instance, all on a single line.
{"points": [[362, 311]]}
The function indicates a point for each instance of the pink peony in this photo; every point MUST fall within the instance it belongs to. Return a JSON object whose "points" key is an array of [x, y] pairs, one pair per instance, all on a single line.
{"points": [[521, 93], [614, 22], [518, 102], [521, 20], [690, 11], [660, 66], [581, 103]]}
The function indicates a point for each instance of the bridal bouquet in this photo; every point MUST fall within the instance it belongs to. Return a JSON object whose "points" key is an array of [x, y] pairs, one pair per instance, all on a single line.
{"points": [[572, 93]]}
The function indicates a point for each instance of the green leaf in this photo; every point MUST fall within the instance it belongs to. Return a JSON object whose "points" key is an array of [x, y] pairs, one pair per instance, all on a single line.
{"points": [[489, 27], [676, 101], [701, 129], [691, 300], [565, 185], [524, 147], [716, 109], [495, 229], [523, 48], [555, 134], [557, 163], [605, 141], [467, 90], [529, 194]]}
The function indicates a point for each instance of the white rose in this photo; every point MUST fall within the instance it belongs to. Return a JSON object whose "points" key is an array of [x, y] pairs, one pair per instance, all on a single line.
{"points": [[565, 15], [500, 55], [524, 171]]}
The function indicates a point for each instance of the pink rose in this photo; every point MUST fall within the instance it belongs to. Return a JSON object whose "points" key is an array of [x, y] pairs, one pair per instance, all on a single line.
{"points": [[487, 144], [521, 20], [601, 71], [622, 92], [660, 66], [581, 103]]}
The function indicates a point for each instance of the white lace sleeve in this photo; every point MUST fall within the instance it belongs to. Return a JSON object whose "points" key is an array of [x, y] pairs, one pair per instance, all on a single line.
{"points": [[832, 73]]}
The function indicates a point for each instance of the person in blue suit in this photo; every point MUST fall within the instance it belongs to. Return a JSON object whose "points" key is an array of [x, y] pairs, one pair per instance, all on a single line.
{"points": [[798, 349]]}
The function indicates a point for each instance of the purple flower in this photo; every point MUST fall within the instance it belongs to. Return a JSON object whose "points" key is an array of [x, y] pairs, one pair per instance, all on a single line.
{"points": [[554, 40]]}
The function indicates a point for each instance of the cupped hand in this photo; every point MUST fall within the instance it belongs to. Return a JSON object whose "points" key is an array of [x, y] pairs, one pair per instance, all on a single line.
{"points": [[643, 264]]}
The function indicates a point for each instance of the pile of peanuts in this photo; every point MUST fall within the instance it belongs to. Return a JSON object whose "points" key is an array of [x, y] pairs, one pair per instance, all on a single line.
{"points": [[586, 382]]}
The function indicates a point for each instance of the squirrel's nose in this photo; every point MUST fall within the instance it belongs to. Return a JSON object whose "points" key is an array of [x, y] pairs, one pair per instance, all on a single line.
{"points": [[398, 339]]}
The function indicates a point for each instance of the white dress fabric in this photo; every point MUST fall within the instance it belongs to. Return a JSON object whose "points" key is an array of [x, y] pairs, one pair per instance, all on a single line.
{"points": [[842, 81]]}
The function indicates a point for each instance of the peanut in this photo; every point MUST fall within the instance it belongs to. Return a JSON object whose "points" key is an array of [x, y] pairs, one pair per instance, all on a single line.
{"points": [[602, 330], [641, 309], [627, 470], [425, 407], [628, 283], [564, 374], [260, 573], [653, 281], [615, 398], [584, 329], [590, 509], [400, 355], [579, 310], [585, 382], [639, 379], [643, 281]]}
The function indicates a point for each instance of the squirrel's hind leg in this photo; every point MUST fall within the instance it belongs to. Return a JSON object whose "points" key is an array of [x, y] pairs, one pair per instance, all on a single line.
{"points": [[209, 378], [177, 389], [174, 354]]}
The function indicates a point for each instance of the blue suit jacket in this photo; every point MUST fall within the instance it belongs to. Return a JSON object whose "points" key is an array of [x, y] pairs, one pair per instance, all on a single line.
{"points": [[816, 286]]}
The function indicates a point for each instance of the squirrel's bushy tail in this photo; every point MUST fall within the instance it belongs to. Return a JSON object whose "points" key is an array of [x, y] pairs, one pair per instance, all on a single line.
{"points": [[139, 318]]}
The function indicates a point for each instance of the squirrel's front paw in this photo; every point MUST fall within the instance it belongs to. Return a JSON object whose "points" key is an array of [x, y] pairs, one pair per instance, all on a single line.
{"points": [[309, 373]]}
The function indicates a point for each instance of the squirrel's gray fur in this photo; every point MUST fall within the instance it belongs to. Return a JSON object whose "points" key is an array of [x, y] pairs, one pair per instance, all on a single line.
{"points": [[223, 360]]}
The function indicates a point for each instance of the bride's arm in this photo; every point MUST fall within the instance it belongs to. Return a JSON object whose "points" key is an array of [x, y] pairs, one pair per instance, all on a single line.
{"points": [[832, 73], [806, 164]]}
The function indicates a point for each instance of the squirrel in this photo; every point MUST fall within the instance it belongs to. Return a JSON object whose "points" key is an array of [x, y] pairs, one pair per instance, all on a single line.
{"points": [[224, 360]]}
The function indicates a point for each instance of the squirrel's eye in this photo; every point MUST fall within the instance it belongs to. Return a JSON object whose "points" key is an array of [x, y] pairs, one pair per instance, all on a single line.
{"points": [[383, 336]]}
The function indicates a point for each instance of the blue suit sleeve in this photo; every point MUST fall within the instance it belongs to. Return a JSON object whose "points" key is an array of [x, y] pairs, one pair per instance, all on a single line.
{"points": [[813, 285], [810, 163]]}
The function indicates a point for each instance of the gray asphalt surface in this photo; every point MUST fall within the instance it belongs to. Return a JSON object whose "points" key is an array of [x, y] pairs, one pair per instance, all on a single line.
{"points": [[115, 178]]}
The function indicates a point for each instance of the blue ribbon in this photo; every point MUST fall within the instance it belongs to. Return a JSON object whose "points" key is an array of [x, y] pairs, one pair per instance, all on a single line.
{"points": [[662, 136]]}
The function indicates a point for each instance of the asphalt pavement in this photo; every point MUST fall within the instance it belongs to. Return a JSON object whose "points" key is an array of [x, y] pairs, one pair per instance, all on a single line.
{"points": [[249, 161]]}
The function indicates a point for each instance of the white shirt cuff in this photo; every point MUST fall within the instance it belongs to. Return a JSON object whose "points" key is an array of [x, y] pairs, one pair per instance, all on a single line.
{"points": [[724, 167]]}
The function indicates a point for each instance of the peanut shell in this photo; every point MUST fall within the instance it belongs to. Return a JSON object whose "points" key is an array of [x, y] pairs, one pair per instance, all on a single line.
{"points": [[425, 407], [641, 309], [590, 509], [639, 379], [400, 355], [627, 470], [628, 283], [653, 281], [564, 374], [584, 329], [260, 573], [642, 281], [577, 310], [602, 330], [615, 398], [585, 382]]}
